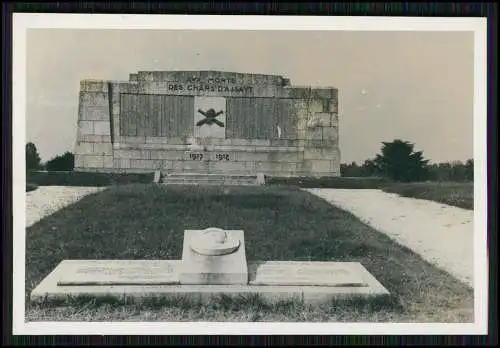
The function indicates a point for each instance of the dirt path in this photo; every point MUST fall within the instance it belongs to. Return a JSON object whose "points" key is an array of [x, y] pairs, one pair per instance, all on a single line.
{"points": [[441, 234], [46, 200]]}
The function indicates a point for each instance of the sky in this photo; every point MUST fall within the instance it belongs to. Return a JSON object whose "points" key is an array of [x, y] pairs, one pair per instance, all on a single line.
{"points": [[410, 85]]}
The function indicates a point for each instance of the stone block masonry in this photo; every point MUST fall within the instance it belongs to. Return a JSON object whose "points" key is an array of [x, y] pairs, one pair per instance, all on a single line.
{"points": [[207, 122], [94, 146]]}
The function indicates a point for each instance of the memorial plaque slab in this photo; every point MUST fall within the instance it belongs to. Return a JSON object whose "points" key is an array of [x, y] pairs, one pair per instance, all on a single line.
{"points": [[337, 274], [120, 272]]}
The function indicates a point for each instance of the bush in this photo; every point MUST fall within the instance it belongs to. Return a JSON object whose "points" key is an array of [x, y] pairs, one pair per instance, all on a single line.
{"points": [[64, 162], [86, 178]]}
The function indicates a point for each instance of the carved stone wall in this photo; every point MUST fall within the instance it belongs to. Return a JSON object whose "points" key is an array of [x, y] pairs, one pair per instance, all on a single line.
{"points": [[207, 122]]}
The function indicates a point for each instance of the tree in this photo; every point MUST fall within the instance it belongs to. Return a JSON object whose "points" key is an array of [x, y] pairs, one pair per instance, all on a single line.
{"points": [[469, 170], [350, 170], [444, 171], [400, 162], [458, 171], [64, 162], [32, 157], [370, 168]]}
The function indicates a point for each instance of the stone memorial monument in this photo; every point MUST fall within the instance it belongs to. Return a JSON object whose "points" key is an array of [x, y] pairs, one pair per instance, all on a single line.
{"points": [[207, 122], [213, 263]]}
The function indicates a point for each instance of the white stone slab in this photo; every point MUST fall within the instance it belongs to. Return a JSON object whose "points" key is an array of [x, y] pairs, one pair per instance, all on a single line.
{"points": [[205, 269], [308, 273], [119, 272], [49, 289]]}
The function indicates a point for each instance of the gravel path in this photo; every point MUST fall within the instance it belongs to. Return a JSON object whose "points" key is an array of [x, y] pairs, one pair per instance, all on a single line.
{"points": [[46, 200], [441, 234]]}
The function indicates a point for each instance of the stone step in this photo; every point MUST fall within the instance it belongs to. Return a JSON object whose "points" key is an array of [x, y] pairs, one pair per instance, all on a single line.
{"points": [[209, 179], [210, 183]]}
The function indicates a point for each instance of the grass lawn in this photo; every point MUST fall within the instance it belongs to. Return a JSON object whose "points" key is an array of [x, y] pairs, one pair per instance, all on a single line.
{"points": [[458, 194], [146, 221]]}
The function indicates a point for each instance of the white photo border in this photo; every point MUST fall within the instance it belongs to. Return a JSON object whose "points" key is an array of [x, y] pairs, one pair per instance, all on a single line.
{"points": [[24, 21]]}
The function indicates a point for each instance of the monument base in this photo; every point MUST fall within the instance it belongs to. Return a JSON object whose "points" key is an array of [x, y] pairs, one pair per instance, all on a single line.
{"points": [[227, 269], [307, 282]]}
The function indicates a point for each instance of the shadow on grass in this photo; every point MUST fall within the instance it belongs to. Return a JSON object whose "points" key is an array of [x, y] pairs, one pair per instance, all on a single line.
{"points": [[280, 223]]}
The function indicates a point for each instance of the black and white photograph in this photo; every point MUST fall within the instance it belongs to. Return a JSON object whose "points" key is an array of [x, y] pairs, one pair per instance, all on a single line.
{"points": [[253, 175]]}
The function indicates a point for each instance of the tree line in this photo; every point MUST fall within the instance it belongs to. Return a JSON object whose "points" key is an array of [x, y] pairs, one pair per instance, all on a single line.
{"points": [[64, 162], [448, 171], [397, 161]]}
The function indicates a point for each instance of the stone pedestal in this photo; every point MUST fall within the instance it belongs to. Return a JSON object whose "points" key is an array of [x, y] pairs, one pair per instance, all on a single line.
{"points": [[201, 268]]}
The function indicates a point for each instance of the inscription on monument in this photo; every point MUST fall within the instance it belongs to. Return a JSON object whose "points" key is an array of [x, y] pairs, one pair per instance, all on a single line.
{"points": [[208, 88], [213, 80], [121, 273], [218, 156], [212, 84], [222, 156], [306, 274], [196, 156]]}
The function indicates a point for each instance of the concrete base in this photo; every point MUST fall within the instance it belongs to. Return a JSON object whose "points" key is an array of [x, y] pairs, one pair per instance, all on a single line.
{"points": [[89, 282], [199, 269]]}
